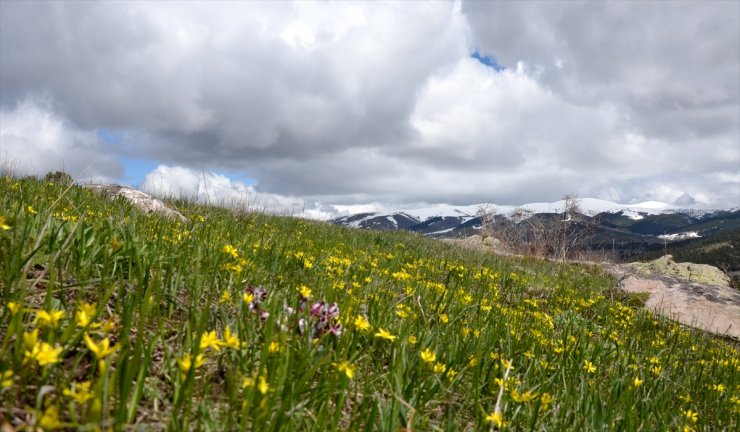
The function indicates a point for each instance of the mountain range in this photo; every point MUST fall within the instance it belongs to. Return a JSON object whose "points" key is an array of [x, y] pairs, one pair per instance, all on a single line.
{"points": [[629, 228]]}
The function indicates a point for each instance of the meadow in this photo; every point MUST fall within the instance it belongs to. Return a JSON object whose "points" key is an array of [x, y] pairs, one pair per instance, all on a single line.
{"points": [[238, 320]]}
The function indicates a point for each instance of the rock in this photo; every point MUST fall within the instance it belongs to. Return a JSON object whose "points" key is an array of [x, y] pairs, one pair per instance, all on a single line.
{"points": [[695, 295], [712, 308], [701, 273], [138, 199], [477, 242], [493, 242]]}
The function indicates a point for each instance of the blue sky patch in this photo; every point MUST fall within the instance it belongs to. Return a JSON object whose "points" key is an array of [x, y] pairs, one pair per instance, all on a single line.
{"points": [[136, 169], [487, 60]]}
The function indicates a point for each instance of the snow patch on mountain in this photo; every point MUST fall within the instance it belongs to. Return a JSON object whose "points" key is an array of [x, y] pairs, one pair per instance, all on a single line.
{"points": [[679, 236], [588, 206]]}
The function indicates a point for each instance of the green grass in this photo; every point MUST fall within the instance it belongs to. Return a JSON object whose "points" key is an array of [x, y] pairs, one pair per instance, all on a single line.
{"points": [[581, 356]]}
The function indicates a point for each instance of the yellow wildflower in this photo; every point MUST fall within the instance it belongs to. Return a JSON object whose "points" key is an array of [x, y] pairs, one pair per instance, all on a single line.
{"points": [[210, 340], [89, 308], [6, 379], [84, 316], [361, 323], [444, 318], [13, 307], [546, 400], [637, 382], [186, 363], [274, 347], [50, 419], [428, 356], [30, 339], [525, 397], [225, 297], [248, 297], [248, 382], [109, 325], [589, 367], [230, 250], [82, 319], [440, 368], [305, 291], [692, 416], [44, 353], [3, 226], [263, 387], [80, 392], [347, 368], [412, 340], [49, 318], [102, 349], [30, 210], [384, 334], [230, 340], [496, 418]]}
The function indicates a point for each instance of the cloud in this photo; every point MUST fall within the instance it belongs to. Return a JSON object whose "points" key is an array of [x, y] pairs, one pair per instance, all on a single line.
{"points": [[217, 189], [34, 140], [357, 103], [672, 67]]}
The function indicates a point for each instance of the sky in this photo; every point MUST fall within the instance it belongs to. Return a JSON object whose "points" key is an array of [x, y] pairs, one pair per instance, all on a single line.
{"points": [[326, 108]]}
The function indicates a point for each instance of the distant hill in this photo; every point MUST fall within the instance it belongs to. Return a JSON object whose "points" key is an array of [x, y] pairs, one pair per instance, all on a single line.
{"points": [[624, 232], [721, 250]]}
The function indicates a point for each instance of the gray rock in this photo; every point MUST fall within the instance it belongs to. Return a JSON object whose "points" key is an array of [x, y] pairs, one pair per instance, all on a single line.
{"points": [[479, 243], [701, 299], [702, 273], [138, 199]]}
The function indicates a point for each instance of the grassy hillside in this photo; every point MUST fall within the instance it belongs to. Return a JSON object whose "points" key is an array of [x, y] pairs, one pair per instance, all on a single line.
{"points": [[241, 321]]}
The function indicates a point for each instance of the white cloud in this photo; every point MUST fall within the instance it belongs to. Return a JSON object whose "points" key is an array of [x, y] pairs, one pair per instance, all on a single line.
{"points": [[217, 189], [34, 140]]}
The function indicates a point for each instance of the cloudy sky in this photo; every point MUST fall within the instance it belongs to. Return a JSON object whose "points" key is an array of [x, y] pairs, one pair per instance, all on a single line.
{"points": [[323, 108]]}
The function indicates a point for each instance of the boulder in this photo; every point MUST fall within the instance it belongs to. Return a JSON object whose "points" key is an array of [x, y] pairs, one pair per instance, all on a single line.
{"points": [[695, 295], [138, 199], [477, 242], [714, 309], [690, 272]]}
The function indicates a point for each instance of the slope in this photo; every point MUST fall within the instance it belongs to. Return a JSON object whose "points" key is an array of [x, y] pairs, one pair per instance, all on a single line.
{"points": [[239, 320]]}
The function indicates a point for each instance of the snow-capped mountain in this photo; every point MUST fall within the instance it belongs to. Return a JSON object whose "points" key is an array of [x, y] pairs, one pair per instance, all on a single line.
{"points": [[645, 218]]}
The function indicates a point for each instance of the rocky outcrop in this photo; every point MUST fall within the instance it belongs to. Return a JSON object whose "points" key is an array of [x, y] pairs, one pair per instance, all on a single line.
{"points": [[479, 243], [695, 295], [711, 308], [138, 199], [700, 273]]}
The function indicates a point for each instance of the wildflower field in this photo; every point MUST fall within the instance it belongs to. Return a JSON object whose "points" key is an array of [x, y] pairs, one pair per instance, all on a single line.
{"points": [[114, 319]]}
